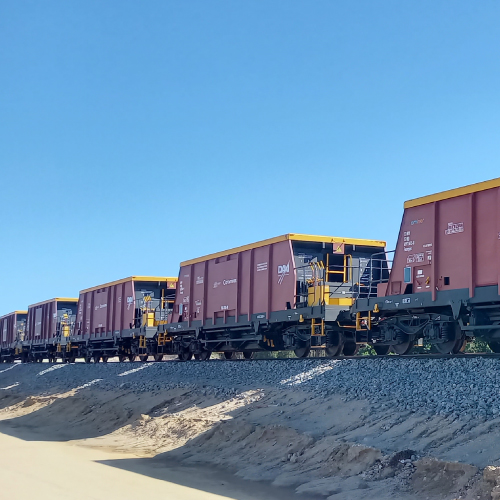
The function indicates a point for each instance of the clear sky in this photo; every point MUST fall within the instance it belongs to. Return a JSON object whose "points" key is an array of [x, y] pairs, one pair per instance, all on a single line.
{"points": [[137, 134]]}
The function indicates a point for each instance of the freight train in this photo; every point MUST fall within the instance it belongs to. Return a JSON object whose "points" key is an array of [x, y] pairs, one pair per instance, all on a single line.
{"points": [[293, 292]]}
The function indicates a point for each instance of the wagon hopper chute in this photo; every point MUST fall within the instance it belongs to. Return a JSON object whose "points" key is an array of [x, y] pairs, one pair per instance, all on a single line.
{"points": [[46, 324], [12, 331], [121, 319], [443, 286], [289, 292]]}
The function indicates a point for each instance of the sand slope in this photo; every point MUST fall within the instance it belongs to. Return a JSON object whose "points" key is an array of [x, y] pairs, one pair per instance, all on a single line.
{"points": [[315, 446]]}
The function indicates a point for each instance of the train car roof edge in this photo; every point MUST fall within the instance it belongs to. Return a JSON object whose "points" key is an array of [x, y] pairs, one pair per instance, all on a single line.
{"points": [[13, 312], [453, 193], [133, 278], [284, 237], [57, 299]]}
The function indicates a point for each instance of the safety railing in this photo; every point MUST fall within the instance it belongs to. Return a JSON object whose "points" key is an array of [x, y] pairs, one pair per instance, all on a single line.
{"points": [[357, 280], [160, 309]]}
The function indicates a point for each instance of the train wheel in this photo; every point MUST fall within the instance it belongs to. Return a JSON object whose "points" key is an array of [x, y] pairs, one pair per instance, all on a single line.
{"points": [[248, 354], [494, 346], [382, 350], [105, 359], [303, 349], [122, 358], [88, 358], [404, 348], [229, 355], [97, 359], [446, 347], [158, 357], [334, 344], [185, 355], [205, 355], [144, 357], [350, 348]]}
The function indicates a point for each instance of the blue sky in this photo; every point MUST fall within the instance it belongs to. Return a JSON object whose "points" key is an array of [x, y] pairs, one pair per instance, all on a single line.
{"points": [[135, 135]]}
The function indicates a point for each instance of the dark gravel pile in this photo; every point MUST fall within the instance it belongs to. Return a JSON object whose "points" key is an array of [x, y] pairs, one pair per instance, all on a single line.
{"points": [[459, 387]]}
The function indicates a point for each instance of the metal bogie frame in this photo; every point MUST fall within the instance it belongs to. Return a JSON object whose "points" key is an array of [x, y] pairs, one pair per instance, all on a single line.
{"points": [[453, 316], [320, 317], [294, 329]]}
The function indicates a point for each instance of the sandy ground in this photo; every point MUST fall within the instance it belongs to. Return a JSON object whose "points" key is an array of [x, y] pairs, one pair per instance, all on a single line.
{"points": [[189, 442], [51, 470]]}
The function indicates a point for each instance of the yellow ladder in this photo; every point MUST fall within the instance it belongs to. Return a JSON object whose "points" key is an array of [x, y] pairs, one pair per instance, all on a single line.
{"points": [[346, 271], [313, 328], [360, 319]]}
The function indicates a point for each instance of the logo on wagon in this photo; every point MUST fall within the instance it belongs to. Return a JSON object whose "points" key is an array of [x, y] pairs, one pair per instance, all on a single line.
{"points": [[283, 270]]}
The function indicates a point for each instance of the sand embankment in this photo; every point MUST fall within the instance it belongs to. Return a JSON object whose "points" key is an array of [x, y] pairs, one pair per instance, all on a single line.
{"points": [[232, 439]]}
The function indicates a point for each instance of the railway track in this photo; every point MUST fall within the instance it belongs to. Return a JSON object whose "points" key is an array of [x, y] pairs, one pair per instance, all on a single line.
{"points": [[325, 359]]}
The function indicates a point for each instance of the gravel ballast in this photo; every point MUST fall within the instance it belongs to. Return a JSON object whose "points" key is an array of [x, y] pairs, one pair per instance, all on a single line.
{"points": [[459, 387]]}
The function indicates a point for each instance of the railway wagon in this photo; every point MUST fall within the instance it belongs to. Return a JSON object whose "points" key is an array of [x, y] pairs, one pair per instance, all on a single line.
{"points": [[121, 318], [443, 286], [46, 323], [12, 329], [289, 292]]}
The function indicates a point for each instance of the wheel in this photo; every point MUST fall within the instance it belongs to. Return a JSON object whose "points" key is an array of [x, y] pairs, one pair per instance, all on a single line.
{"points": [[97, 359], [105, 359], [350, 348], [203, 355], [404, 348], [122, 358], [334, 344], [144, 357], [88, 358], [158, 357], [453, 332], [248, 354], [494, 345], [185, 355], [302, 349], [381, 350], [131, 357], [450, 347], [229, 355]]}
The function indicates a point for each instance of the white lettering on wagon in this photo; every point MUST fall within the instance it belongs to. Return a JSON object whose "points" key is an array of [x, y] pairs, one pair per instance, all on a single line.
{"points": [[454, 228], [229, 282], [415, 258]]}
